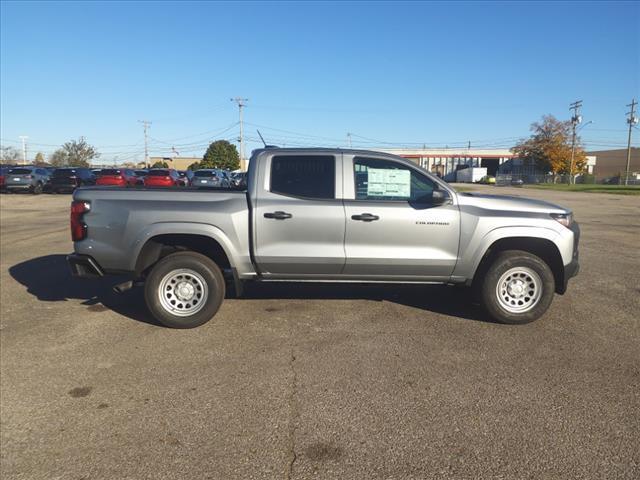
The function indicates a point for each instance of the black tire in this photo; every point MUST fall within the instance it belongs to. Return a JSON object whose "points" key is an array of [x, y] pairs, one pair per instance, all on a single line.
{"points": [[37, 189], [535, 294], [188, 262]]}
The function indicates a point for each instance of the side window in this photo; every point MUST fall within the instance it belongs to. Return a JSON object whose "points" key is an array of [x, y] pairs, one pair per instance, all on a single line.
{"points": [[310, 176], [377, 179]]}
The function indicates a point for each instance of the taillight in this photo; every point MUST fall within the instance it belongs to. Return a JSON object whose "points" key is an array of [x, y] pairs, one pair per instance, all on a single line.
{"points": [[167, 178], [32, 176], [78, 227]]}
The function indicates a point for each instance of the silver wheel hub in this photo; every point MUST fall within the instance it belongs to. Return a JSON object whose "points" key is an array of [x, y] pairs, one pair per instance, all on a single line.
{"points": [[519, 289], [183, 292]]}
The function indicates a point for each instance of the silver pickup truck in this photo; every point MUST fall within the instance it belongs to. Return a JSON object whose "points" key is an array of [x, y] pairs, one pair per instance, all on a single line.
{"points": [[324, 215]]}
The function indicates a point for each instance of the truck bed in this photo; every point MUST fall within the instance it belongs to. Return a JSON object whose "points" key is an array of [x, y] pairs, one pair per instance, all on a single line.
{"points": [[122, 220]]}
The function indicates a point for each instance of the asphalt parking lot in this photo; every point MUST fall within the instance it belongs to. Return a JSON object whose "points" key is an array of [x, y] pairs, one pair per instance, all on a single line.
{"points": [[303, 381]]}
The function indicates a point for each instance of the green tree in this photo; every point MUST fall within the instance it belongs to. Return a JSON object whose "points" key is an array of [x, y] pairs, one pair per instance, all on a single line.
{"points": [[10, 155], [221, 154], [160, 164], [549, 147], [75, 153]]}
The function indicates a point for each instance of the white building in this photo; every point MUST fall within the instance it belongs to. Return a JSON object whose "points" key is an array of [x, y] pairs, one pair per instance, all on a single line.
{"points": [[445, 161]]}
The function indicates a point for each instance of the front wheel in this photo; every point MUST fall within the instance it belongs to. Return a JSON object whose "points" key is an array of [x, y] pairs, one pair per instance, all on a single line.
{"points": [[518, 287], [37, 189], [184, 290]]}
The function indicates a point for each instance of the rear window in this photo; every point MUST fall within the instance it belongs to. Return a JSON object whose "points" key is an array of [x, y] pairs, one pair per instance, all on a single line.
{"points": [[204, 173], [311, 176], [64, 172], [158, 173], [140, 173], [20, 171], [110, 171]]}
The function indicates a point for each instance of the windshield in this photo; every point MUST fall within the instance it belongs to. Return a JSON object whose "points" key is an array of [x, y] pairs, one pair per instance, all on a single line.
{"points": [[204, 173], [64, 172], [158, 173], [20, 171], [110, 171]]}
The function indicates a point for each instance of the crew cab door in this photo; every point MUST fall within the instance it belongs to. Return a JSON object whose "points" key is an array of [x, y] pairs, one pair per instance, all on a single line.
{"points": [[299, 217], [400, 224]]}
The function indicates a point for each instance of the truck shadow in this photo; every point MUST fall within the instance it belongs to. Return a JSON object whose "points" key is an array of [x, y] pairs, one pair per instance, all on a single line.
{"points": [[441, 299], [49, 279]]}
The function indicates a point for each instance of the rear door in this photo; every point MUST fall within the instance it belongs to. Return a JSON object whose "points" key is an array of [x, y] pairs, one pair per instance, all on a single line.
{"points": [[394, 227], [299, 216]]}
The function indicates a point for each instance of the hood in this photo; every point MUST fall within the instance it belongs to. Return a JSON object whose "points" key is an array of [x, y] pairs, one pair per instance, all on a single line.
{"points": [[509, 203]]}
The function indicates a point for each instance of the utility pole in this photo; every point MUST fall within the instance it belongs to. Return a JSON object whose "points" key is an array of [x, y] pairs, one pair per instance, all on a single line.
{"points": [[241, 103], [24, 148], [145, 125], [349, 140], [576, 119], [632, 120]]}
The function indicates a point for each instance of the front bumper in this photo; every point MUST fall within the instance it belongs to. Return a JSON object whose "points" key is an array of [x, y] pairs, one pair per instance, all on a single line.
{"points": [[573, 268], [84, 266]]}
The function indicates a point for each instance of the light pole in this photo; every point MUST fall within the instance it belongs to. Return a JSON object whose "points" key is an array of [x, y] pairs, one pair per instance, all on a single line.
{"points": [[24, 148]]}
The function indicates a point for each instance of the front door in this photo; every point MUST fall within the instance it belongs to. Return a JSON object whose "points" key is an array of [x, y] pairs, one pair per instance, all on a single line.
{"points": [[299, 217], [395, 225]]}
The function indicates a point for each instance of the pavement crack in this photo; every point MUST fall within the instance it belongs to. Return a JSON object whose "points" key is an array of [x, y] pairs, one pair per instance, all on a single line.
{"points": [[293, 416]]}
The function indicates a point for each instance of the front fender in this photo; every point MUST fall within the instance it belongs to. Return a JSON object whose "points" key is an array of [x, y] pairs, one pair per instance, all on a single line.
{"points": [[477, 247]]}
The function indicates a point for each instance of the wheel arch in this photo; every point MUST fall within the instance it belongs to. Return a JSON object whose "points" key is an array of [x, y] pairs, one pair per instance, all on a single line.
{"points": [[544, 248], [161, 245]]}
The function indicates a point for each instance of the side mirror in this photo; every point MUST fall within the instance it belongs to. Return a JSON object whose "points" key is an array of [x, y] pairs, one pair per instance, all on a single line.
{"points": [[439, 197], [434, 199]]}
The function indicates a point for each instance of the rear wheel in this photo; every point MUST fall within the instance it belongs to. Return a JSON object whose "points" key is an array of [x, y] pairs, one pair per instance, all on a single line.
{"points": [[37, 189], [517, 288], [184, 290]]}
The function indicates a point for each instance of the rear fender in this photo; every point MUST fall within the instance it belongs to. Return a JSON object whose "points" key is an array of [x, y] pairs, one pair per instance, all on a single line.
{"points": [[178, 228]]}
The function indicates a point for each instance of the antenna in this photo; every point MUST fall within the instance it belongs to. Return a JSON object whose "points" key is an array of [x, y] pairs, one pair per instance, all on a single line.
{"points": [[263, 142]]}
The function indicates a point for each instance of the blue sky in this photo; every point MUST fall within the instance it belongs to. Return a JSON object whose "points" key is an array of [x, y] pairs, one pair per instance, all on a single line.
{"points": [[403, 73]]}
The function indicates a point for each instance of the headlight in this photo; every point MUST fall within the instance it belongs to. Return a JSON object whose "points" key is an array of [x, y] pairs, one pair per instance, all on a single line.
{"points": [[565, 219]]}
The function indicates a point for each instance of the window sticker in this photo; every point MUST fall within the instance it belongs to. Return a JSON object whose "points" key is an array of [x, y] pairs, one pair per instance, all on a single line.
{"points": [[384, 182]]}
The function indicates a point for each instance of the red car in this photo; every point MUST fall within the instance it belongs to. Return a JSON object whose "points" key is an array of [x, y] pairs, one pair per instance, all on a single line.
{"points": [[162, 177], [122, 177]]}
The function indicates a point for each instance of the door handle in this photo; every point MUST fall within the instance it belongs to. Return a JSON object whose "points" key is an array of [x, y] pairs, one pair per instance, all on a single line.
{"points": [[365, 217], [278, 215]]}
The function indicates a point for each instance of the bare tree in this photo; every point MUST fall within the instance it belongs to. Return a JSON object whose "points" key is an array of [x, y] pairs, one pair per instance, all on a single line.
{"points": [[9, 155]]}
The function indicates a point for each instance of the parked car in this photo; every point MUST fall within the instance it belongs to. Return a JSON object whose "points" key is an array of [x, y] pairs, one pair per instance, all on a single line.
{"points": [[27, 178], [68, 179], [122, 177], [140, 176], [162, 177], [3, 175], [306, 216], [185, 177], [239, 179], [488, 180], [210, 178]]}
